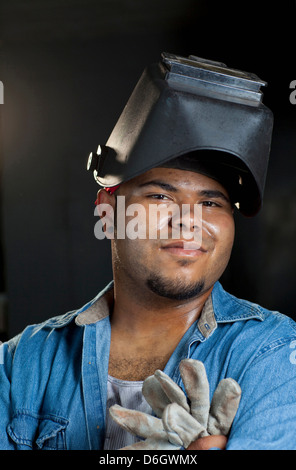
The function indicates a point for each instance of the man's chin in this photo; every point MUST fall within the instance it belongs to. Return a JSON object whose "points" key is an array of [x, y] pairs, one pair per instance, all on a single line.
{"points": [[174, 289]]}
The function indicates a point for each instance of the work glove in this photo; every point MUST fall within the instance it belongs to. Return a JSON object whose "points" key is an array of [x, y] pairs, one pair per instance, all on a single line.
{"points": [[180, 422]]}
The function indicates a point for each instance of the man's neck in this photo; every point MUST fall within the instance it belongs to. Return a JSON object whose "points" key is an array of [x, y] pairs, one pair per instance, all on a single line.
{"points": [[145, 331], [146, 312]]}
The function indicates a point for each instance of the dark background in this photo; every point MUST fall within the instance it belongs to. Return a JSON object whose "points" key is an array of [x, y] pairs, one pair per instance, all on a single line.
{"points": [[68, 68]]}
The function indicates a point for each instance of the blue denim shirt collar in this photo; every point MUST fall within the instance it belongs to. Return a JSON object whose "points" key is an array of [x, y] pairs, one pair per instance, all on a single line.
{"points": [[217, 309], [221, 307], [95, 310], [228, 308]]}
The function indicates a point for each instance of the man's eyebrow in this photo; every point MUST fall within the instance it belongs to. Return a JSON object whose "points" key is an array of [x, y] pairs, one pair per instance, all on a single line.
{"points": [[210, 193], [161, 184], [213, 193]]}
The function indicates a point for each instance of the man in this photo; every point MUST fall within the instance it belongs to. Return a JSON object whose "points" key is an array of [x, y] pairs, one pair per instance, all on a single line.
{"points": [[193, 135], [161, 286]]}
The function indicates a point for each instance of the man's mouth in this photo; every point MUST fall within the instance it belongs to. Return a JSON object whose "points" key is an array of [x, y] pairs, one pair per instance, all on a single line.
{"points": [[183, 248]]}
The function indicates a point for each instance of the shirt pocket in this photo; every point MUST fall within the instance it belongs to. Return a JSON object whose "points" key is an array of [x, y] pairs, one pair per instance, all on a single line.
{"points": [[38, 432]]}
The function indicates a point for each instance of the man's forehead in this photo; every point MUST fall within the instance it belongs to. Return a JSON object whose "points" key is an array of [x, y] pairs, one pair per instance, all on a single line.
{"points": [[173, 178]]}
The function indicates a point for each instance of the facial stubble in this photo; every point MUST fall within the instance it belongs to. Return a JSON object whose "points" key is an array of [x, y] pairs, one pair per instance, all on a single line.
{"points": [[175, 289]]}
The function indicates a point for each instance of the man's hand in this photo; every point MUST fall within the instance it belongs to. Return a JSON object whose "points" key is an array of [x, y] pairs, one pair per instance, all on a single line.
{"points": [[179, 425], [208, 442]]}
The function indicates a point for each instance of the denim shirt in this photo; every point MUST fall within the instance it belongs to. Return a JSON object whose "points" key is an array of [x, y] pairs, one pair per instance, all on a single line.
{"points": [[53, 376]]}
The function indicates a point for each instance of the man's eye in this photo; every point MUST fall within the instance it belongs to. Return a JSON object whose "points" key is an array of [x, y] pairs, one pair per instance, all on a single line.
{"points": [[210, 204], [159, 197]]}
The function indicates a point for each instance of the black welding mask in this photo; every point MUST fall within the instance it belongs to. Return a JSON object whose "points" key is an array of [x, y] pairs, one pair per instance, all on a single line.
{"points": [[199, 115]]}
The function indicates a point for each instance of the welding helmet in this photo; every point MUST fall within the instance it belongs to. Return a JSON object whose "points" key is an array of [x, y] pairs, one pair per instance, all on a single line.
{"points": [[194, 110]]}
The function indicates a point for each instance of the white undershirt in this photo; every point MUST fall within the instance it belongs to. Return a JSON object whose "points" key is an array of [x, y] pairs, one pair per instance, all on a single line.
{"points": [[129, 395]]}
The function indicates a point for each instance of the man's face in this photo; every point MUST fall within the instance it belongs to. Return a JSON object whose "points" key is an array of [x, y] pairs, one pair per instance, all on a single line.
{"points": [[172, 267]]}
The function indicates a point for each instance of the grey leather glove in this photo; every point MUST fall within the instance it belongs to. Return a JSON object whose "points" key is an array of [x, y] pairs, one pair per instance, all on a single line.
{"points": [[177, 424]]}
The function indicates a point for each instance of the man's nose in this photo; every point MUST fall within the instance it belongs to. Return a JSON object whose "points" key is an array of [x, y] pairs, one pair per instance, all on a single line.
{"points": [[188, 220]]}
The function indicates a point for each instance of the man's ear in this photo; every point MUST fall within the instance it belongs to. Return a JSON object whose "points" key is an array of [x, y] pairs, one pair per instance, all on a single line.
{"points": [[103, 197], [105, 207]]}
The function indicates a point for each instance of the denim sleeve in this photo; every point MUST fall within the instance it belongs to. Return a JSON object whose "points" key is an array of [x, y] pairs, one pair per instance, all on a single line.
{"points": [[266, 418], [6, 359]]}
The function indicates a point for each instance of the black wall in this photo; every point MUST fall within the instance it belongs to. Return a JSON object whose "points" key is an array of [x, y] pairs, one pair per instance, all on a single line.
{"points": [[68, 69]]}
